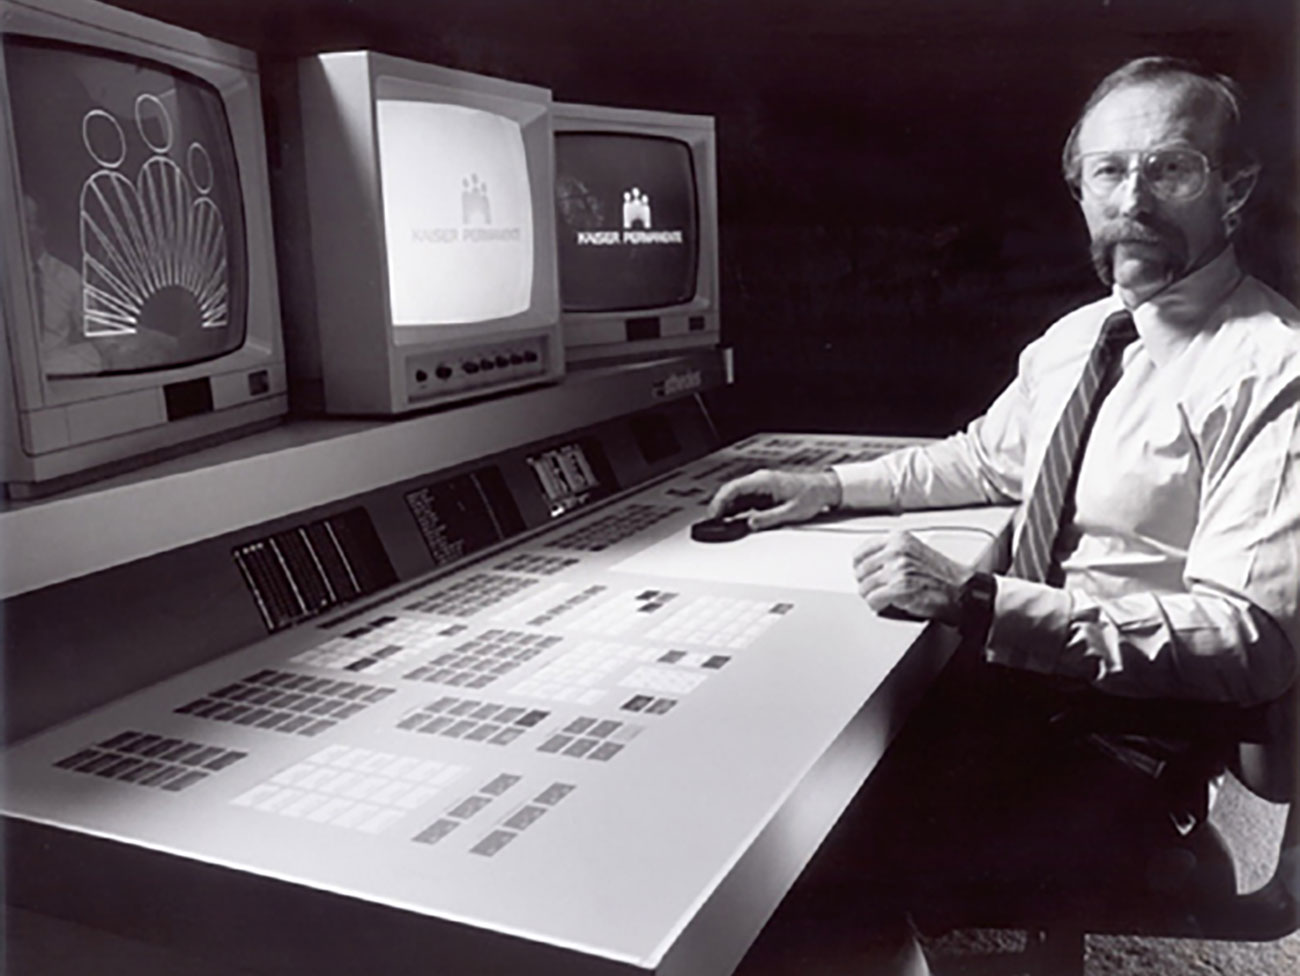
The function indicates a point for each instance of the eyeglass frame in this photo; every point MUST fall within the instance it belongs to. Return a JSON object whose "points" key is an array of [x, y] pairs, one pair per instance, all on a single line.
{"points": [[1078, 184]]}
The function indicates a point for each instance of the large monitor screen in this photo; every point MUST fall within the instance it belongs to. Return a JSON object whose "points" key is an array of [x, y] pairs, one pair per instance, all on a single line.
{"points": [[133, 215], [458, 213], [628, 221]]}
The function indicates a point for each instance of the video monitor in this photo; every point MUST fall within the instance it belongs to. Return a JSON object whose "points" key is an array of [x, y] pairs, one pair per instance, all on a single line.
{"points": [[425, 195], [628, 207], [138, 266], [636, 208], [572, 475]]}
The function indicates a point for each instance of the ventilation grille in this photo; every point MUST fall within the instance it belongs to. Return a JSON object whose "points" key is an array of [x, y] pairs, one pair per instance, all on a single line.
{"points": [[304, 571]]}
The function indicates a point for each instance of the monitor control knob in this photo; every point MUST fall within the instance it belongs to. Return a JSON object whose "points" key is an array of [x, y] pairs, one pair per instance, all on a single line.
{"points": [[421, 376], [530, 356], [502, 362], [470, 367], [486, 363], [443, 372], [516, 359]]}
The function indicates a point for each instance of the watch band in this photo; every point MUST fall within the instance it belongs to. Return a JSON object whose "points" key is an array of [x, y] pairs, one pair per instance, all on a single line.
{"points": [[976, 607]]}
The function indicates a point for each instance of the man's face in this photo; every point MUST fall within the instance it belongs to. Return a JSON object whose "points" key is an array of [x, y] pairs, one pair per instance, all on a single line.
{"points": [[1140, 241]]}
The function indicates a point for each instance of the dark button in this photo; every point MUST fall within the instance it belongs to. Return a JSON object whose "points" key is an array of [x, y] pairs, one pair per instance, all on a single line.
{"points": [[486, 363], [530, 356], [516, 359], [502, 362], [470, 368], [421, 376], [443, 372]]}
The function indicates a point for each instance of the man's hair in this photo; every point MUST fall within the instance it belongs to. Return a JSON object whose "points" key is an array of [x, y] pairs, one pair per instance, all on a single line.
{"points": [[1235, 155]]}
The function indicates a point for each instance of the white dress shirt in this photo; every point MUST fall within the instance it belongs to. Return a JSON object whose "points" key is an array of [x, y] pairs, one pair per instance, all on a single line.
{"points": [[1182, 561]]}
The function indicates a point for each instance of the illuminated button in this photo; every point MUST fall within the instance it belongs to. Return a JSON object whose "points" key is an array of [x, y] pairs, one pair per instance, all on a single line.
{"points": [[470, 367], [443, 372]]}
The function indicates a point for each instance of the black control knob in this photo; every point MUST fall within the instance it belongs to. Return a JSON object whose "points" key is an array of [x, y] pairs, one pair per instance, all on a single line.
{"points": [[470, 367], [486, 363], [516, 359], [502, 362], [530, 356], [443, 372], [421, 376]]}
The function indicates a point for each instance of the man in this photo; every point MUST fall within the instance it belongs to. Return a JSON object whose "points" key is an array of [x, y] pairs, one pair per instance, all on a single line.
{"points": [[1158, 550]]}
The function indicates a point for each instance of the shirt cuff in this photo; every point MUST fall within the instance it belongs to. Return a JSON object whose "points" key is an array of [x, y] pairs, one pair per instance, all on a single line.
{"points": [[1030, 624], [866, 484]]}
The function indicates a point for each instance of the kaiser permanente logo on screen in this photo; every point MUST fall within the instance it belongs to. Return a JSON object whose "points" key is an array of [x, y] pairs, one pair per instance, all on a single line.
{"points": [[475, 217], [637, 225]]}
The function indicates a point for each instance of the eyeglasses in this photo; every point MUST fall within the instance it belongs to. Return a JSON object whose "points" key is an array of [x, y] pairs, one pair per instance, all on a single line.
{"points": [[1172, 174]]}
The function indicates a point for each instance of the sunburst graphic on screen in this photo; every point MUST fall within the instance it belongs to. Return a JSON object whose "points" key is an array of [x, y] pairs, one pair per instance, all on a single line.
{"points": [[153, 251]]}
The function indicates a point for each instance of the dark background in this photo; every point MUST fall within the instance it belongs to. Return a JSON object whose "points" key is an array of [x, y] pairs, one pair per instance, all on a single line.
{"points": [[894, 225]]}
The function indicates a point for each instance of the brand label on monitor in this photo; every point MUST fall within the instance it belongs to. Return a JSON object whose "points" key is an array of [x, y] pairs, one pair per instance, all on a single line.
{"points": [[476, 218], [637, 224], [675, 383]]}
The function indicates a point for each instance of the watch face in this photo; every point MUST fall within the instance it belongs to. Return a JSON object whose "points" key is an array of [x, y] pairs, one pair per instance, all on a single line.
{"points": [[977, 595]]}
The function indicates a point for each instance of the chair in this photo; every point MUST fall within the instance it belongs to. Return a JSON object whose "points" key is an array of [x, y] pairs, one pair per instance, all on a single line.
{"points": [[1191, 890]]}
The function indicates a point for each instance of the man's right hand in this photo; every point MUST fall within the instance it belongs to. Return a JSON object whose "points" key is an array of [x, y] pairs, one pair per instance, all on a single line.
{"points": [[777, 497]]}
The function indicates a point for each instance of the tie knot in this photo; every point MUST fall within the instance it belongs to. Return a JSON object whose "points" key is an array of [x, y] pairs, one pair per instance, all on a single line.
{"points": [[1118, 329]]}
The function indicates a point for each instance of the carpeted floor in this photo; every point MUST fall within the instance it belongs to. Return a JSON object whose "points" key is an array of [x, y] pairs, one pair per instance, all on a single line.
{"points": [[979, 953]]}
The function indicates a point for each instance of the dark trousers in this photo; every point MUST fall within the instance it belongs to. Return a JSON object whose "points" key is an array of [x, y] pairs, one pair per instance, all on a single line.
{"points": [[990, 810]]}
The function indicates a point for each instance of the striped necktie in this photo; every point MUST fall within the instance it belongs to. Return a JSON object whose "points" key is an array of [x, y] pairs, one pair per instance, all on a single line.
{"points": [[1032, 559]]}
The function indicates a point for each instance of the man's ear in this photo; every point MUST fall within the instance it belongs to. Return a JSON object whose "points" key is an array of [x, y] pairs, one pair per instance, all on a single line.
{"points": [[1237, 190]]}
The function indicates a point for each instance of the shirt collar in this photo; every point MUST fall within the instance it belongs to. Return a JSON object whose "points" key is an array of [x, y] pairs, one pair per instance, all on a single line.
{"points": [[1170, 319]]}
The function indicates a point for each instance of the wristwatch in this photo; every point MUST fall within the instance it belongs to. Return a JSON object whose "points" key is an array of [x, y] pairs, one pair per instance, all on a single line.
{"points": [[975, 605]]}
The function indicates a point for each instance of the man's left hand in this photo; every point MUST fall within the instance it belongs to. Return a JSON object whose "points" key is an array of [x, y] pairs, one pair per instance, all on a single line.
{"points": [[902, 573]]}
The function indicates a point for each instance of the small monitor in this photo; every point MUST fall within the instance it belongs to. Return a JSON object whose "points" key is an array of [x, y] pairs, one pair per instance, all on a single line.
{"points": [[637, 217], [423, 195], [572, 475], [140, 301]]}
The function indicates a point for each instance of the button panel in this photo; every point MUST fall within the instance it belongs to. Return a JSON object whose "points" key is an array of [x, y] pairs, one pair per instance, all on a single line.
{"points": [[450, 371]]}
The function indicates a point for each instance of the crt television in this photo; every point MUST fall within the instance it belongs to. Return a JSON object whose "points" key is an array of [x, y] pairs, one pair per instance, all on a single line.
{"points": [[636, 199], [430, 224], [138, 288]]}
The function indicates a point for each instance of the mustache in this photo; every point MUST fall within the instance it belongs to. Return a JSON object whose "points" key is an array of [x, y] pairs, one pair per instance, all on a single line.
{"points": [[1152, 231]]}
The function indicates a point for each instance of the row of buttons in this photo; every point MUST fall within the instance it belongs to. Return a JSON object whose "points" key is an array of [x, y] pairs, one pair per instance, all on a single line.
{"points": [[473, 366]]}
